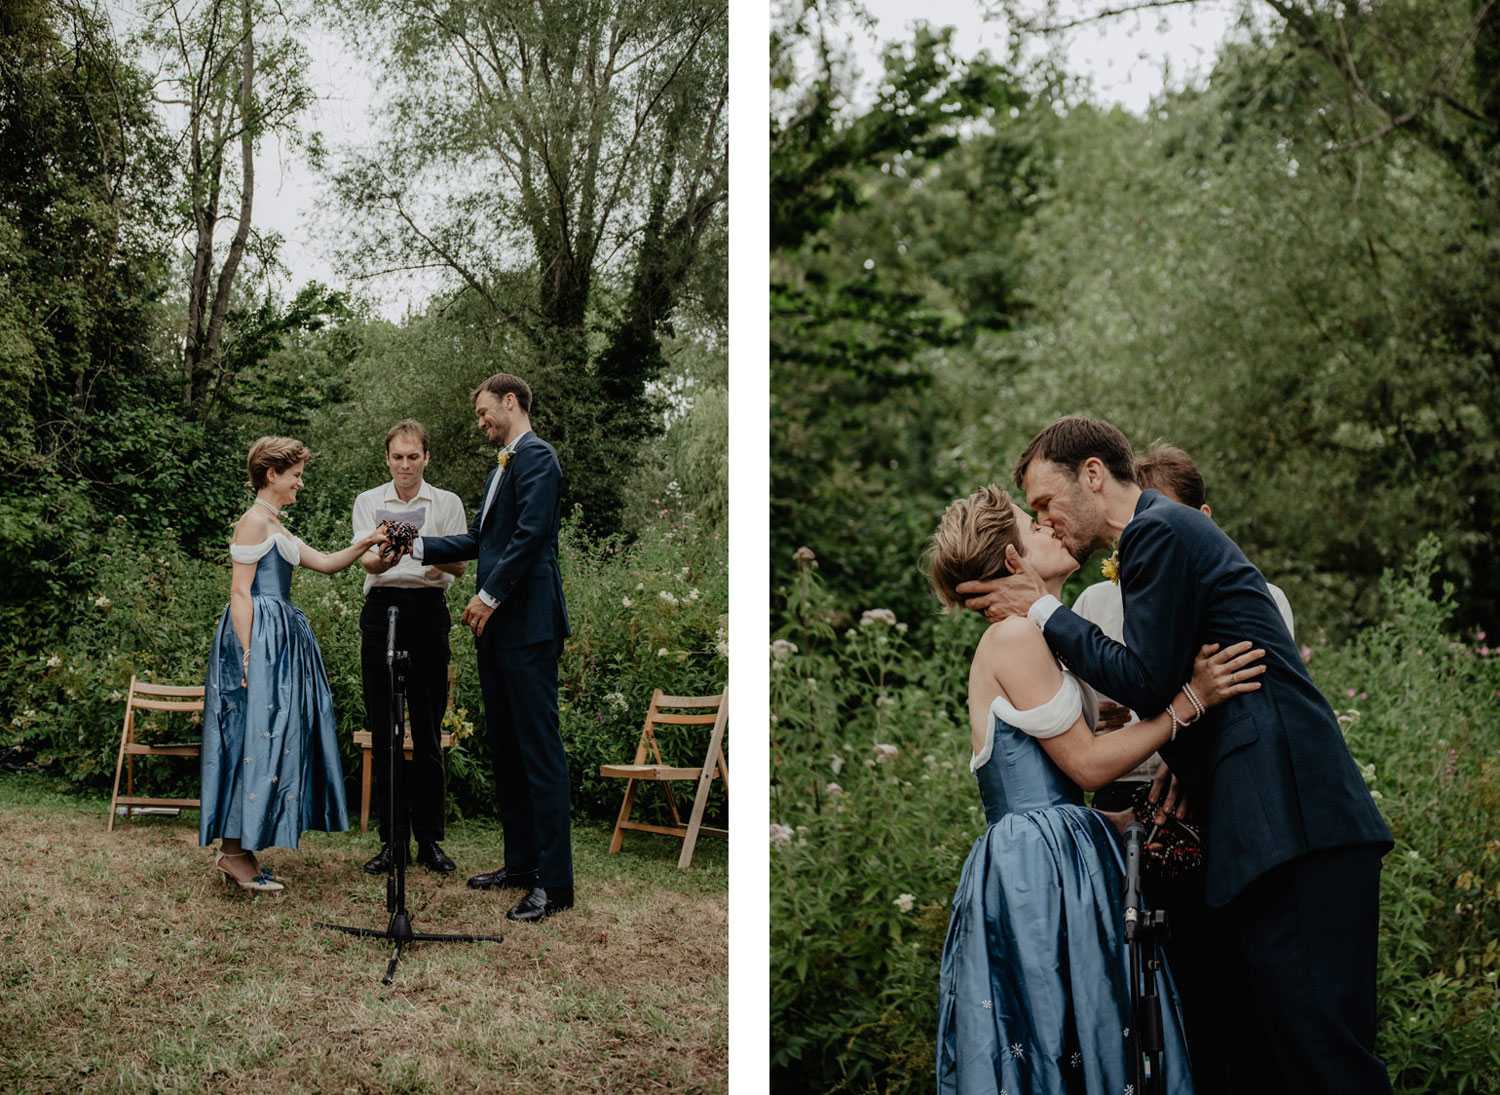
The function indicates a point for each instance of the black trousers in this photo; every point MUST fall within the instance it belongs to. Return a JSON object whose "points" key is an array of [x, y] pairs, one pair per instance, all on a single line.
{"points": [[526, 749], [421, 631]]}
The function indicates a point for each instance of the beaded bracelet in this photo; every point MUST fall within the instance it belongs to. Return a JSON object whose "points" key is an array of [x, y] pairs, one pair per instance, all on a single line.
{"points": [[1192, 698]]}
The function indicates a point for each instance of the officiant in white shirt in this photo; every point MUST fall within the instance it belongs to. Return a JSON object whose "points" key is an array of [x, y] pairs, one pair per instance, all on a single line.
{"points": [[419, 592]]}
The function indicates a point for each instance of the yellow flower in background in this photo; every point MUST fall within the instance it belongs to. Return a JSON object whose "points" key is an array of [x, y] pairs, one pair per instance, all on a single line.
{"points": [[1110, 568]]}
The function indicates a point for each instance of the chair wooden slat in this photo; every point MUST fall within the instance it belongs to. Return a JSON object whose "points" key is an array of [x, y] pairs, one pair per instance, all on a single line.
{"points": [[168, 705], [713, 767], [689, 701], [145, 688], [183, 698]]}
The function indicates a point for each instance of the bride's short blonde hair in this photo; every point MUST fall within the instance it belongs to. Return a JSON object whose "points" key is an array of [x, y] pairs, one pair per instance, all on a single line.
{"points": [[970, 541], [277, 453]]}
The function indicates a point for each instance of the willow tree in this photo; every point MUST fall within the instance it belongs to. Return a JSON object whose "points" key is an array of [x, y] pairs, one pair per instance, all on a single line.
{"points": [[565, 164]]}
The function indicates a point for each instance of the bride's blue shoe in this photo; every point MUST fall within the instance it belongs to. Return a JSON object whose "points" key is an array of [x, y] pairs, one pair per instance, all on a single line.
{"points": [[265, 882]]}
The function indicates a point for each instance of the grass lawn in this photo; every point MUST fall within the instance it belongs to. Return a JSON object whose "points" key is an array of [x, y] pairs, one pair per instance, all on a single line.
{"points": [[127, 966]]}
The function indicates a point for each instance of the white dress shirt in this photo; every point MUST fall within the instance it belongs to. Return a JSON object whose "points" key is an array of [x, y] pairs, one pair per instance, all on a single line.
{"points": [[435, 513]]}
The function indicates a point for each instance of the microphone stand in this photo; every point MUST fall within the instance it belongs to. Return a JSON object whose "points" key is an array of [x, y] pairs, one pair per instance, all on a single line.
{"points": [[1144, 928], [399, 929]]}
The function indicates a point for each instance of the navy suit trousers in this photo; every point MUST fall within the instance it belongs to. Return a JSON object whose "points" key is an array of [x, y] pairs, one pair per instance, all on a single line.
{"points": [[531, 767]]}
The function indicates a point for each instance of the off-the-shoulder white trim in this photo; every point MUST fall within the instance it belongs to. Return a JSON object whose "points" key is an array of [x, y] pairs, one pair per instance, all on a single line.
{"points": [[290, 548], [1047, 721]]}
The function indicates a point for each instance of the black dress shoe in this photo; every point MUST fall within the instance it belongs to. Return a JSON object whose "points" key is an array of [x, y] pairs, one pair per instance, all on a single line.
{"points": [[541, 902], [383, 862], [504, 878], [434, 859]]}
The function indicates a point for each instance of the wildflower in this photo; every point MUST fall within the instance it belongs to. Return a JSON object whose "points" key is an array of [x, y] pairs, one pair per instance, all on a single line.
{"points": [[1367, 771], [833, 790], [901, 628], [662, 652], [1364, 695], [1452, 767], [685, 571], [1376, 795], [693, 594], [781, 835], [885, 752], [616, 700], [1484, 651], [721, 648], [905, 902], [782, 649], [872, 616], [836, 762], [1412, 853], [667, 596], [53, 662], [625, 601], [804, 555], [1306, 653], [884, 701], [102, 601], [640, 587], [1349, 692]]}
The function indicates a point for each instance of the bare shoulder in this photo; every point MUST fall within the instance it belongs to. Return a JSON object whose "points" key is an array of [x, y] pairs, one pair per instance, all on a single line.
{"points": [[252, 528]]}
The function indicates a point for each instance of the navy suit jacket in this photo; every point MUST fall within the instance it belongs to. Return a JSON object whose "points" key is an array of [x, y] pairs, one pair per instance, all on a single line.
{"points": [[1270, 766], [516, 545]]}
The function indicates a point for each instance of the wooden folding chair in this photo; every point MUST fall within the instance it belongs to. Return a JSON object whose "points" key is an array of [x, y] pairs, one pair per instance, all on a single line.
{"points": [[363, 739], [716, 715], [151, 697]]}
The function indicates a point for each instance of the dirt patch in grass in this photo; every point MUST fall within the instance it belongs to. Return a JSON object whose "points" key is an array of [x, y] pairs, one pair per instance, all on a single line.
{"points": [[127, 966]]}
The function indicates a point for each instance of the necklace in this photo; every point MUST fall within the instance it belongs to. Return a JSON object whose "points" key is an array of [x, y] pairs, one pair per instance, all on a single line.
{"points": [[261, 501]]}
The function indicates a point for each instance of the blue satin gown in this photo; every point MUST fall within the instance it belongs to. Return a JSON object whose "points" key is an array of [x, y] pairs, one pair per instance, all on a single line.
{"points": [[1034, 986], [270, 766]]}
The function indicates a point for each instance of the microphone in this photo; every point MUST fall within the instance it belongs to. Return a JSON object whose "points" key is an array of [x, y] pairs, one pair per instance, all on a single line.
{"points": [[390, 634], [1135, 840]]}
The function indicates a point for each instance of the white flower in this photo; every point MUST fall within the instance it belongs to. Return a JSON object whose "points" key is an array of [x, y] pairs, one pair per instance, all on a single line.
{"points": [[722, 648], [833, 790], [836, 762], [905, 902], [884, 701], [102, 601], [901, 628], [782, 649], [665, 595], [1367, 771], [625, 601], [884, 753], [685, 571], [662, 652], [1412, 853], [616, 700], [640, 587], [871, 616], [781, 835], [53, 662], [693, 594]]}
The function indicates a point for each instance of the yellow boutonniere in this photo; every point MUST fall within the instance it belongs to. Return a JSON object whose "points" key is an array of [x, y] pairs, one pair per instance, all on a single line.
{"points": [[503, 457], [1110, 568]]}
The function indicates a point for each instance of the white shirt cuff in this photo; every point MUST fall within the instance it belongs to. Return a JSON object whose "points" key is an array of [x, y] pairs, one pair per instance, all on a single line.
{"points": [[1041, 610], [416, 549], [487, 599]]}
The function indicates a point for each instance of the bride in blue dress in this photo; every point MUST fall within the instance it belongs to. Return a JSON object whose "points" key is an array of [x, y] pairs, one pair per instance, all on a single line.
{"points": [[270, 766], [1034, 995]]}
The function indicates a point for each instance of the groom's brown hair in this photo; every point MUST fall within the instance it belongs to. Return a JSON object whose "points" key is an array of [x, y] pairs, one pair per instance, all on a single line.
{"points": [[1071, 440]]}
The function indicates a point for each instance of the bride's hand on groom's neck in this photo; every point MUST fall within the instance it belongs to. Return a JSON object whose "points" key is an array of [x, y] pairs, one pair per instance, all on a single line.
{"points": [[997, 598]]}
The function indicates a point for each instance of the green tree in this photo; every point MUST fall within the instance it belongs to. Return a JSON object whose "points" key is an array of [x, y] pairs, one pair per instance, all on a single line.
{"points": [[566, 165]]}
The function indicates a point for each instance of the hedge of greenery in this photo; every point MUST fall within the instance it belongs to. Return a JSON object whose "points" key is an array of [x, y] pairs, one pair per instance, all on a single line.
{"points": [[650, 613], [874, 810]]}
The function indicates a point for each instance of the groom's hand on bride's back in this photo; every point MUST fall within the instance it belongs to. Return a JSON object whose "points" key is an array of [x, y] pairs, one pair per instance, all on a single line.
{"points": [[1013, 595]]}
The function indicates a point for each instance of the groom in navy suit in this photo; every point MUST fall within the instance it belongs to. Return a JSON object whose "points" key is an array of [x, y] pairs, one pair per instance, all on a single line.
{"points": [[1294, 841], [519, 623]]}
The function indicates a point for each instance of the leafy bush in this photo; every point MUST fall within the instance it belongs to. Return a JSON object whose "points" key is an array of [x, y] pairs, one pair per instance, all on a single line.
{"points": [[874, 809]]}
